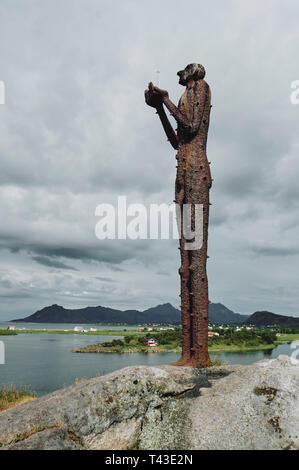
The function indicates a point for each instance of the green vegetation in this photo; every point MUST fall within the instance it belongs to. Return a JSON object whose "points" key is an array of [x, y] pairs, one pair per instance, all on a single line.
{"points": [[288, 331], [10, 397], [170, 341], [123, 332], [7, 332], [243, 339], [229, 339], [287, 338]]}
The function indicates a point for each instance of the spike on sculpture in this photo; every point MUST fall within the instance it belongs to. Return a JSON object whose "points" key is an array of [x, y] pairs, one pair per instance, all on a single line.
{"points": [[192, 186]]}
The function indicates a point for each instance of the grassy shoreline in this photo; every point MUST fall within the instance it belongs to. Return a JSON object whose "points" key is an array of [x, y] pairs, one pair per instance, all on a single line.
{"points": [[97, 348], [132, 345], [285, 338], [139, 347], [11, 397], [72, 332]]}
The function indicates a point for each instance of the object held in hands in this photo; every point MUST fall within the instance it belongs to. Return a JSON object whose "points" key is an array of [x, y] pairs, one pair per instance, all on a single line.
{"points": [[154, 96]]}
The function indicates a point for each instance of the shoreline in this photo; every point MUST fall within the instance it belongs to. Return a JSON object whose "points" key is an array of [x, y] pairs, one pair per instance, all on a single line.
{"points": [[99, 350], [70, 332]]}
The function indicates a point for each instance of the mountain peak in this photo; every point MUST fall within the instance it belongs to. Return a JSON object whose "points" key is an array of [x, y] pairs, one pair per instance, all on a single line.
{"points": [[264, 318], [52, 307]]}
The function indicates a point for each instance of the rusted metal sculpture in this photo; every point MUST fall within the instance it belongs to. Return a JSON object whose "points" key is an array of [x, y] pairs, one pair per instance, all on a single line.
{"points": [[193, 182]]}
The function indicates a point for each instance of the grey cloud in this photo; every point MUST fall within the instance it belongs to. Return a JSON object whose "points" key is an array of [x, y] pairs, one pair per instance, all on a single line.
{"points": [[275, 250], [16, 295], [75, 132], [52, 263], [104, 279], [117, 268]]}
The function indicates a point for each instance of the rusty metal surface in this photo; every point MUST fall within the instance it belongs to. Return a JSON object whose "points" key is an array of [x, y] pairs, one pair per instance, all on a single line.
{"points": [[192, 186]]}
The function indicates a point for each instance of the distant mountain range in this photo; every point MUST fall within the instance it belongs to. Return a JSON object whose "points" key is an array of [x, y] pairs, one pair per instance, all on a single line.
{"points": [[219, 314], [269, 318], [56, 314], [165, 313]]}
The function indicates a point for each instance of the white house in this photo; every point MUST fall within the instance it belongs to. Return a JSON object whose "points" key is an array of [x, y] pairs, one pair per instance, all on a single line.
{"points": [[79, 328]]}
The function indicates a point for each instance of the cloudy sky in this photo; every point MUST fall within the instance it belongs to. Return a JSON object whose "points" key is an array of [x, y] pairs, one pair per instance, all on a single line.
{"points": [[75, 133]]}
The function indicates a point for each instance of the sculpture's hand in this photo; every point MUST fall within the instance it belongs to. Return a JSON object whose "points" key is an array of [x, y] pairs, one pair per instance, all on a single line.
{"points": [[159, 91], [155, 99], [152, 98]]}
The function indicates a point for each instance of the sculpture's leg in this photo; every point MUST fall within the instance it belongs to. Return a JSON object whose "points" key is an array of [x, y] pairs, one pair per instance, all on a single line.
{"points": [[200, 309], [203, 324], [184, 270], [185, 306], [195, 284], [199, 294]]}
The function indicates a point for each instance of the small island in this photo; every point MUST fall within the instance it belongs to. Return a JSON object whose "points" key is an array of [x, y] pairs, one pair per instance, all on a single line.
{"points": [[230, 339]]}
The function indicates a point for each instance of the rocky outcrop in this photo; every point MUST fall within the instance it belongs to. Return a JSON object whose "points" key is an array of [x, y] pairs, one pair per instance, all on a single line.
{"points": [[228, 407], [111, 411], [254, 407]]}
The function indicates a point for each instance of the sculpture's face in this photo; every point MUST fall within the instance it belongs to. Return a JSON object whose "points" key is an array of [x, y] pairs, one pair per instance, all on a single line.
{"points": [[191, 72]]}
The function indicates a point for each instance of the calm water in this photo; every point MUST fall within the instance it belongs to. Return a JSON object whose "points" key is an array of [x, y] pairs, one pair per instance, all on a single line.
{"points": [[44, 362]]}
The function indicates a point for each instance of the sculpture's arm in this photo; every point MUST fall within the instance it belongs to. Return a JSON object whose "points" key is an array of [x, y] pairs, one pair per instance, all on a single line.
{"points": [[169, 131], [201, 95], [154, 100]]}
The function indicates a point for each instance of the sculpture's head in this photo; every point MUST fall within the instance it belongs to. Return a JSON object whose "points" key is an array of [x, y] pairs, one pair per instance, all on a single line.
{"points": [[191, 72]]}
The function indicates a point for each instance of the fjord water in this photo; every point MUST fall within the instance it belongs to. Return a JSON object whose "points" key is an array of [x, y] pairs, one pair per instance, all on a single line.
{"points": [[43, 362]]}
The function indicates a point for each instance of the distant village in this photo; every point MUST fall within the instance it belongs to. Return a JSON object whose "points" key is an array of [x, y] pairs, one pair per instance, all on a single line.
{"points": [[81, 329]]}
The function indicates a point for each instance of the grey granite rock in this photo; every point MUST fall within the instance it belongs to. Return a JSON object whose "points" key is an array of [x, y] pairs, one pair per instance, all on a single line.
{"points": [[166, 407], [49, 439], [94, 409], [254, 407]]}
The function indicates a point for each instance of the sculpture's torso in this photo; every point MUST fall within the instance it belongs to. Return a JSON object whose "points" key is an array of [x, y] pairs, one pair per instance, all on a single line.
{"points": [[192, 151]]}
